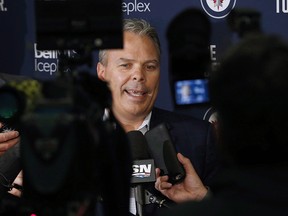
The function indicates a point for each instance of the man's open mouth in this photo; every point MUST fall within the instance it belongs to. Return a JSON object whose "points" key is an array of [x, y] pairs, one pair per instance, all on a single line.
{"points": [[136, 93]]}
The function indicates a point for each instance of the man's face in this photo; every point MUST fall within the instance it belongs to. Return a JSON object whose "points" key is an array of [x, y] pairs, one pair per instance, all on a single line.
{"points": [[132, 74]]}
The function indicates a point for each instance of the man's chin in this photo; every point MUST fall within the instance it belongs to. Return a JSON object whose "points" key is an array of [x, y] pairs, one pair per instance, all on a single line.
{"points": [[137, 111]]}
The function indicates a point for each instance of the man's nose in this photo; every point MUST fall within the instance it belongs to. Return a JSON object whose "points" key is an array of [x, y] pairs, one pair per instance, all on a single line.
{"points": [[138, 74]]}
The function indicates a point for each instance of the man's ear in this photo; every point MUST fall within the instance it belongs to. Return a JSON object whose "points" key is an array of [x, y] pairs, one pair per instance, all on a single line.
{"points": [[101, 71]]}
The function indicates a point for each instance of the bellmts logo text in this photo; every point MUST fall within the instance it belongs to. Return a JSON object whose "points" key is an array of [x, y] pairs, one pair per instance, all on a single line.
{"points": [[2, 6], [281, 6], [135, 6], [45, 60]]}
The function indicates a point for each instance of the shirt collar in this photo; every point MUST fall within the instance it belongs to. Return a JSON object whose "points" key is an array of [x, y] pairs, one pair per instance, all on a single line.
{"points": [[144, 127]]}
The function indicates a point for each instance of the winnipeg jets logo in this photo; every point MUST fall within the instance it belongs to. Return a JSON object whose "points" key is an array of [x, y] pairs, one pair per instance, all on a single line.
{"points": [[218, 3], [218, 8]]}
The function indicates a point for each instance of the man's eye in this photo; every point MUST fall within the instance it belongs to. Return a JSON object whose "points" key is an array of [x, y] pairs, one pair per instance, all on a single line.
{"points": [[125, 65], [151, 67]]}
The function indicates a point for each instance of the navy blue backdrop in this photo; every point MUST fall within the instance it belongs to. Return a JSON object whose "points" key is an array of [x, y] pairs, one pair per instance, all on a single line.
{"points": [[19, 54]]}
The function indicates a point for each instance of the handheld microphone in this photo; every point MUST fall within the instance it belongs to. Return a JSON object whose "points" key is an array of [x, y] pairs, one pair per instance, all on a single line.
{"points": [[164, 153], [143, 168]]}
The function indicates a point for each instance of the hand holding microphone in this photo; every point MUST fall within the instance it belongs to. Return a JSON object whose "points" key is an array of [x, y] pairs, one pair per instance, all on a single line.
{"points": [[176, 177], [188, 187], [191, 188], [143, 168], [164, 153]]}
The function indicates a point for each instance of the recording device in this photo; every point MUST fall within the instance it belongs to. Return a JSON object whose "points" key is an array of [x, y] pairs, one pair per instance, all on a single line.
{"points": [[164, 153], [70, 155], [189, 57], [12, 106], [143, 168], [191, 92]]}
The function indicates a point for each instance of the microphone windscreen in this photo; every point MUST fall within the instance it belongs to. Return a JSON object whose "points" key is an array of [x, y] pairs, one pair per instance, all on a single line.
{"points": [[164, 153], [138, 145]]}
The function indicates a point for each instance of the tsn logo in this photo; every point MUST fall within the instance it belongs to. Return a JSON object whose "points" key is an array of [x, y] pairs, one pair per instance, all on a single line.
{"points": [[141, 170]]}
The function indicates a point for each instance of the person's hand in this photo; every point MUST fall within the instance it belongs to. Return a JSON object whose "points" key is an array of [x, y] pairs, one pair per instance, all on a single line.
{"points": [[16, 191], [8, 139], [191, 188]]}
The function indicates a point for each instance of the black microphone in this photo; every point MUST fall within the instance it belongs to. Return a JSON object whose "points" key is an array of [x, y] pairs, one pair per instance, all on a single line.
{"points": [[143, 168], [163, 151]]}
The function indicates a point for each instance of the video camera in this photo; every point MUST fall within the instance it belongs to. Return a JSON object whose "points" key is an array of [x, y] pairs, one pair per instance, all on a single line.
{"points": [[71, 157]]}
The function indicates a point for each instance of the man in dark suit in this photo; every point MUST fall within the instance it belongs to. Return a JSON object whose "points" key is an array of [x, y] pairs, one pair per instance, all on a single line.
{"points": [[133, 75]]}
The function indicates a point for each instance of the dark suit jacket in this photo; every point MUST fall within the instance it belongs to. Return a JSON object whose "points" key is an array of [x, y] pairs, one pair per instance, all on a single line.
{"points": [[193, 138]]}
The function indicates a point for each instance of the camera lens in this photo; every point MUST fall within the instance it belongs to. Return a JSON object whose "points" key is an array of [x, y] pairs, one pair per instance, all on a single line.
{"points": [[12, 104]]}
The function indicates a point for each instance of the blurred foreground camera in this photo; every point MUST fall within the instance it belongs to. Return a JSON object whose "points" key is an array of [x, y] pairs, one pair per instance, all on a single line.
{"points": [[66, 141], [188, 37], [17, 98], [71, 156], [14, 104]]}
